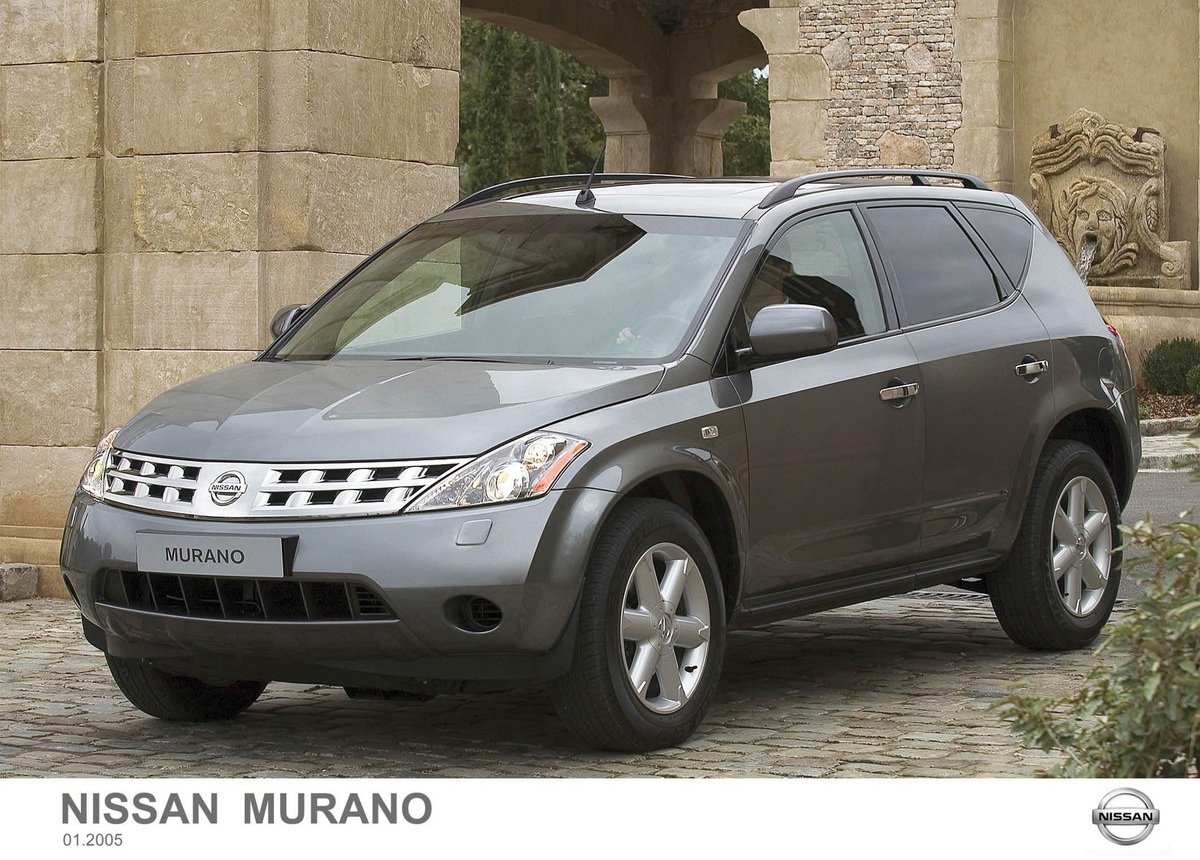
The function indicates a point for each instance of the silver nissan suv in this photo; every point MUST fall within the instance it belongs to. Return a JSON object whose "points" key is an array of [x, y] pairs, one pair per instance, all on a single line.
{"points": [[575, 436]]}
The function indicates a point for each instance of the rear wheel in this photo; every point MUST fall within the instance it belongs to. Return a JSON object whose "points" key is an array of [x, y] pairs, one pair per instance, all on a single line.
{"points": [[1059, 584], [180, 698], [651, 632]]}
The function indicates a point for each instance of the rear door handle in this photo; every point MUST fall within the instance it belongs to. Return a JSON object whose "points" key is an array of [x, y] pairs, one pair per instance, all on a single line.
{"points": [[1032, 368], [900, 392]]}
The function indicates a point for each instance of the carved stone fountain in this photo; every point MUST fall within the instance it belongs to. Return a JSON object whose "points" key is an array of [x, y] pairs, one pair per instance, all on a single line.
{"points": [[1102, 186]]}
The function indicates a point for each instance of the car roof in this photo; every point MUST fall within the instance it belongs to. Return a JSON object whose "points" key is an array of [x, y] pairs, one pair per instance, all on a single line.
{"points": [[730, 198], [733, 197]]}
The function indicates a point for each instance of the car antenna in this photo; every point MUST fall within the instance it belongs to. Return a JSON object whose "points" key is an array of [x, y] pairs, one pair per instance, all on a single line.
{"points": [[586, 197]]}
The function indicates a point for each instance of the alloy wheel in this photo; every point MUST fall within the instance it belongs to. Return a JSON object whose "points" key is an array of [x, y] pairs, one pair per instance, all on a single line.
{"points": [[1081, 546], [665, 631]]}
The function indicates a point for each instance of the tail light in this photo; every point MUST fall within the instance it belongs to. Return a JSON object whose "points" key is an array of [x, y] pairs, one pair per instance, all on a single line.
{"points": [[1112, 328]]}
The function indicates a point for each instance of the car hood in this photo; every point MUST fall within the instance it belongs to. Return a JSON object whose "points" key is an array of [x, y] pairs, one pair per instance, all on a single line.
{"points": [[293, 411]]}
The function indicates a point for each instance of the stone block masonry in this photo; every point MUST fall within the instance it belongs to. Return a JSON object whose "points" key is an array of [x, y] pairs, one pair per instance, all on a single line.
{"points": [[857, 84], [17, 582], [171, 172], [895, 89]]}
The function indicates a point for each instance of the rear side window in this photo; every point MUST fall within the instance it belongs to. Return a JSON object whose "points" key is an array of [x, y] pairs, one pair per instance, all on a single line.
{"points": [[937, 270], [1009, 236]]}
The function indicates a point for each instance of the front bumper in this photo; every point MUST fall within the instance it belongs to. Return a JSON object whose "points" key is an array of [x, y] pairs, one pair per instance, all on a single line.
{"points": [[530, 565]]}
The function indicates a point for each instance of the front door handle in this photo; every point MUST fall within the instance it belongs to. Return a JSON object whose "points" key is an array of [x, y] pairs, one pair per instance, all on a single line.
{"points": [[1032, 368], [900, 392]]}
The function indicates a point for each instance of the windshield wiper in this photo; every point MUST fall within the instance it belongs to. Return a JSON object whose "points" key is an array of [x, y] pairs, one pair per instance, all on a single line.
{"points": [[487, 359]]}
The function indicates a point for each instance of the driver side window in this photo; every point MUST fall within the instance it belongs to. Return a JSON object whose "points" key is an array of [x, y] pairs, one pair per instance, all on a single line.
{"points": [[821, 261]]}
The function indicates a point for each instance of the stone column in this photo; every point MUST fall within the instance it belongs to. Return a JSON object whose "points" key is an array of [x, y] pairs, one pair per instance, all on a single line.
{"points": [[650, 133], [799, 90], [50, 267], [246, 154], [254, 151], [983, 46]]}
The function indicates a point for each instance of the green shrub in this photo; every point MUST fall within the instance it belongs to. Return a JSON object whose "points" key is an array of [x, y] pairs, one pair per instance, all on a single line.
{"points": [[1138, 713], [1193, 381], [1166, 366]]}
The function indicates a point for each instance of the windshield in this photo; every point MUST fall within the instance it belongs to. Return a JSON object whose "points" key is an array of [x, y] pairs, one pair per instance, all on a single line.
{"points": [[541, 285]]}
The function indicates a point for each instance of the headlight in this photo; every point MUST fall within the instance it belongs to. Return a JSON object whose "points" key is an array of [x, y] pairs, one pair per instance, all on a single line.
{"points": [[92, 481], [519, 470]]}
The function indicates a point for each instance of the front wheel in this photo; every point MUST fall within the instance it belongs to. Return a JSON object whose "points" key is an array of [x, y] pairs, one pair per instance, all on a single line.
{"points": [[651, 635], [1059, 584], [180, 698]]}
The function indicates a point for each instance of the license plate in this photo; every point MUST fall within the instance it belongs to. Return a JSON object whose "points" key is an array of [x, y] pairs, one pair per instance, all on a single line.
{"points": [[210, 555]]}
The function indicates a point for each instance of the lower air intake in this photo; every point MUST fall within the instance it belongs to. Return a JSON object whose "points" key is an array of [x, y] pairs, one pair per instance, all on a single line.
{"points": [[243, 599]]}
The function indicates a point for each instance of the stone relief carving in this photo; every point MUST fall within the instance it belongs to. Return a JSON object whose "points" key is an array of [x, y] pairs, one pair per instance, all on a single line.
{"points": [[1096, 179]]}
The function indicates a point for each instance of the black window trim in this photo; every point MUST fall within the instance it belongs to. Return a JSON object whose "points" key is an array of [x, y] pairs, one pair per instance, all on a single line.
{"points": [[726, 364], [1008, 210], [1005, 297], [891, 316]]}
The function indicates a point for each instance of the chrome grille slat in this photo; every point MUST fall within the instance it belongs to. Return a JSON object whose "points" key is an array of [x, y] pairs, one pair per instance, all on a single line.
{"points": [[272, 490], [338, 486], [133, 477]]}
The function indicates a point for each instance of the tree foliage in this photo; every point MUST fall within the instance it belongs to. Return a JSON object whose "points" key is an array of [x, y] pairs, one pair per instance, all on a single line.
{"points": [[524, 111], [489, 112], [1137, 714], [547, 104], [747, 144], [548, 124]]}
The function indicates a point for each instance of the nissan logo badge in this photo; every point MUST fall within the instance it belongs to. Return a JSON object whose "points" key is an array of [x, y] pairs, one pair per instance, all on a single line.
{"points": [[1140, 814], [228, 488]]}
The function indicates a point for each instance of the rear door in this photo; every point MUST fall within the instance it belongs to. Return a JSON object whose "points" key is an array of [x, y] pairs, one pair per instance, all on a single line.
{"points": [[835, 469], [984, 359]]}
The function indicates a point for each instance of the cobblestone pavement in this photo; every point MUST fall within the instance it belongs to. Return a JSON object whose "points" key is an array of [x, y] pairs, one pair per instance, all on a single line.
{"points": [[896, 687]]}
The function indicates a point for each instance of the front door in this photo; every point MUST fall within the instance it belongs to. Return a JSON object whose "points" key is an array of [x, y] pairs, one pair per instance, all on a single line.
{"points": [[836, 451]]}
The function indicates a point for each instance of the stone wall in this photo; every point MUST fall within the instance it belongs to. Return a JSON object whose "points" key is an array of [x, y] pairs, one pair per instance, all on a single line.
{"points": [[1133, 62], [51, 268], [856, 84], [894, 86], [171, 173]]}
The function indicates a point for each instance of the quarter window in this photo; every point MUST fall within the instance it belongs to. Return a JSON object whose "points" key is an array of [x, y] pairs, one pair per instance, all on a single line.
{"points": [[1008, 235], [938, 271], [821, 261]]}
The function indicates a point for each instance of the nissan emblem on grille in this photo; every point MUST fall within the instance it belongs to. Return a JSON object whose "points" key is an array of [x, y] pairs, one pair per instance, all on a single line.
{"points": [[228, 488]]}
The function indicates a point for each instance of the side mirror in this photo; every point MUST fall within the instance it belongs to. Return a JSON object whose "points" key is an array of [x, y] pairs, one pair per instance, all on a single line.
{"points": [[285, 318], [792, 331]]}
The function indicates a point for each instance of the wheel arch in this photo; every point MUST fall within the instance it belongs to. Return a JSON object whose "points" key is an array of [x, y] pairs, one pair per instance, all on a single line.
{"points": [[1097, 429], [702, 499]]}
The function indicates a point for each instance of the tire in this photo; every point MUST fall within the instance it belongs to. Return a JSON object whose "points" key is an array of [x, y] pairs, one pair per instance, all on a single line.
{"points": [[1058, 586], [179, 698], [621, 692]]}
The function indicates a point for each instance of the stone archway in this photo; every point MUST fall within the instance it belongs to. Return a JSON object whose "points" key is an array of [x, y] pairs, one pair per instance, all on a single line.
{"points": [[663, 60]]}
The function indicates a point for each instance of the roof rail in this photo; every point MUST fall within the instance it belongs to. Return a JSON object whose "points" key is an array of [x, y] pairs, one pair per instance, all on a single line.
{"points": [[786, 190], [495, 192]]}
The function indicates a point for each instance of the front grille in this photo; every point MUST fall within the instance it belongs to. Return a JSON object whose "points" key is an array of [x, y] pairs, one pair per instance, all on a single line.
{"points": [[243, 599], [152, 482], [268, 491], [388, 485]]}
